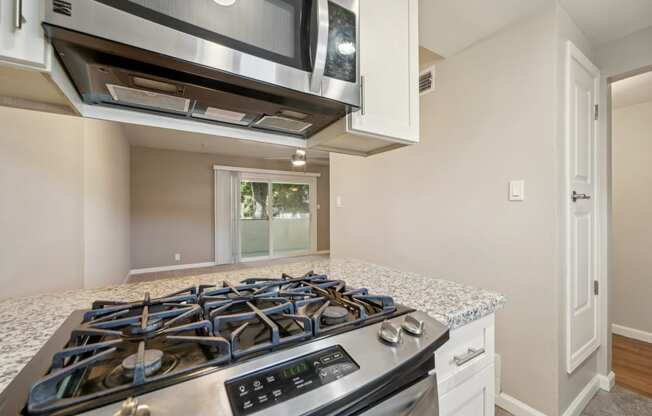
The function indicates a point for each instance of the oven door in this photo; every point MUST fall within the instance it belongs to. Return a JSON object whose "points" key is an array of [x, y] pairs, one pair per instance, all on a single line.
{"points": [[305, 45], [419, 399]]}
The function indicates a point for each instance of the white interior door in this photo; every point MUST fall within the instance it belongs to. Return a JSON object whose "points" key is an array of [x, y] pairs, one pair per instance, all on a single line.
{"points": [[582, 312]]}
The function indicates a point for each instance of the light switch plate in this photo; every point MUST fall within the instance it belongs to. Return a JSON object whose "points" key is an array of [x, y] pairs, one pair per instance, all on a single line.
{"points": [[517, 190], [338, 201]]}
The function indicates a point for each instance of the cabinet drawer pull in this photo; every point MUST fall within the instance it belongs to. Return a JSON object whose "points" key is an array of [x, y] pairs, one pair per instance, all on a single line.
{"points": [[471, 354]]}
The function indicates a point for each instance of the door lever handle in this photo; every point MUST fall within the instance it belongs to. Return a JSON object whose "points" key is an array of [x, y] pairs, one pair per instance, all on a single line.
{"points": [[577, 196], [19, 19]]}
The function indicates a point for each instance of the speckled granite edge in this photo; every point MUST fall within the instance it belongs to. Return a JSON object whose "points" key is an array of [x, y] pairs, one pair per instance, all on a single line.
{"points": [[21, 336]]}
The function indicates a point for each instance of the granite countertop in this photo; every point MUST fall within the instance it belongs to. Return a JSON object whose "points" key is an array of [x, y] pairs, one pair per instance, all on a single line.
{"points": [[26, 323]]}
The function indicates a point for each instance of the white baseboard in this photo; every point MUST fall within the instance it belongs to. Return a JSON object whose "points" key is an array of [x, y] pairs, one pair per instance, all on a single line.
{"points": [[607, 382], [207, 264], [515, 406], [631, 333], [518, 408], [578, 405], [285, 256], [169, 268]]}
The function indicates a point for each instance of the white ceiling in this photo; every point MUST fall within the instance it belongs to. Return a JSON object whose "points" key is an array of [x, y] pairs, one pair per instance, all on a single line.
{"points": [[606, 20], [196, 142], [449, 26], [631, 91]]}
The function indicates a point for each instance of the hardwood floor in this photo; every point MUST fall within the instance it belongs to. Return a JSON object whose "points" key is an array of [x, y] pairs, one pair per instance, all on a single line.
{"points": [[632, 363]]}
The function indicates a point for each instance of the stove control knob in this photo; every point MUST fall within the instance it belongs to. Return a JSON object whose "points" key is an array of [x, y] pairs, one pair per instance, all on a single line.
{"points": [[390, 333], [130, 407], [413, 326]]}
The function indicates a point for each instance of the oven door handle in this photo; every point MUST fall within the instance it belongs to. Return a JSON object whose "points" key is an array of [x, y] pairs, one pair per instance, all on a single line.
{"points": [[322, 47], [426, 404]]}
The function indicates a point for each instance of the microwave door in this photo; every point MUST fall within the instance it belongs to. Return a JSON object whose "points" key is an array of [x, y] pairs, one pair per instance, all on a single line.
{"points": [[320, 26], [341, 76], [264, 40]]}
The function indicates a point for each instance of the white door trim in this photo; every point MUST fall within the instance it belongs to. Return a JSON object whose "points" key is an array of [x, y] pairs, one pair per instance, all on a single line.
{"points": [[575, 358]]}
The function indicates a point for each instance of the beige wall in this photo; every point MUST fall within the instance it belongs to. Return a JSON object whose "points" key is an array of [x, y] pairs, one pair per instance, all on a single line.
{"points": [[172, 204], [632, 224], [440, 208], [41, 202], [106, 204], [47, 220]]}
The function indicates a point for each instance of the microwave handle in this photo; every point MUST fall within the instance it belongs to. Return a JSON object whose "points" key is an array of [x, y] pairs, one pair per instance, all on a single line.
{"points": [[322, 46]]}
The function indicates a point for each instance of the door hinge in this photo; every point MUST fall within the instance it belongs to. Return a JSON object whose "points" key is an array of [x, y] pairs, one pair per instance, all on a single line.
{"points": [[596, 112], [596, 287]]}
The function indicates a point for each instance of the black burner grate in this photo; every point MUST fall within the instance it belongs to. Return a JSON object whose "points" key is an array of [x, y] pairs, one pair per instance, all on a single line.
{"points": [[121, 346], [115, 332]]}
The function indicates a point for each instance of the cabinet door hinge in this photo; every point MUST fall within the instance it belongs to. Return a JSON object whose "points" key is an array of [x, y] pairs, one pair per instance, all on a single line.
{"points": [[596, 287], [596, 112]]}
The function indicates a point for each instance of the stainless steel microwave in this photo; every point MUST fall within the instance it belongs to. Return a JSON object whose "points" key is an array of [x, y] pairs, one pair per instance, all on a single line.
{"points": [[290, 66]]}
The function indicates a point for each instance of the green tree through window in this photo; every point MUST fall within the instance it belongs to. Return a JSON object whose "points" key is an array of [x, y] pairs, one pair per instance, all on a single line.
{"points": [[253, 200], [290, 200]]}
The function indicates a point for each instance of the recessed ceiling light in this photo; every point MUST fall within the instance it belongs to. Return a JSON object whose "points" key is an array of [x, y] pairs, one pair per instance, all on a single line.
{"points": [[225, 2]]}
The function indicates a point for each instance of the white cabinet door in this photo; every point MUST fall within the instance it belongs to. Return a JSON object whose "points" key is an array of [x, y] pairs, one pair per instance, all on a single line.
{"points": [[475, 397], [22, 43], [389, 69]]}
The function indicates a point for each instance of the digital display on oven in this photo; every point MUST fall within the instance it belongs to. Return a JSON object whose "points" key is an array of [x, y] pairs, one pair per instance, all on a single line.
{"points": [[295, 370], [262, 389]]}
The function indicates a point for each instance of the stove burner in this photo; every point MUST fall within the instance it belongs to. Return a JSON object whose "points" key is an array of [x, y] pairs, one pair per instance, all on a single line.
{"points": [[153, 324], [156, 363], [334, 315], [152, 362]]}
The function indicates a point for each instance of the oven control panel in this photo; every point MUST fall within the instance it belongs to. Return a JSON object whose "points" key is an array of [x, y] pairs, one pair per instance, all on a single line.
{"points": [[268, 387]]}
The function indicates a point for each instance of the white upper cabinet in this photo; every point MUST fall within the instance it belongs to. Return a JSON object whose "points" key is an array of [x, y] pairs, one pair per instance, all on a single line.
{"points": [[389, 62], [22, 41], [389, 67]]}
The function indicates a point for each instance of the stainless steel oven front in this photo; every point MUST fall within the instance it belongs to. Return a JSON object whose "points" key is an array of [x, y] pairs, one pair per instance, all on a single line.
{"points": [[311, 46]]}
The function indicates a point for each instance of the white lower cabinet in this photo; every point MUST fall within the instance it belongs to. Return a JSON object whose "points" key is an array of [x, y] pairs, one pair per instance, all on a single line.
{"points": [[466, 371], [475, 397]]}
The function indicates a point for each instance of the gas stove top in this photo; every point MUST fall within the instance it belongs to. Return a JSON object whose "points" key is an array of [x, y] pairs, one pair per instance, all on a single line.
{"points": [[118, 350]]}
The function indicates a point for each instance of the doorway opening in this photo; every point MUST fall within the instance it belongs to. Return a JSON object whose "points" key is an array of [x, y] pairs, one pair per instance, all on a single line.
{"points": [[276, 216], [264, 214], [631, 225]]}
